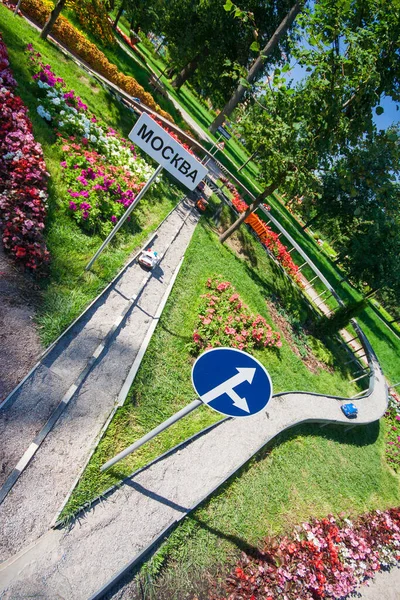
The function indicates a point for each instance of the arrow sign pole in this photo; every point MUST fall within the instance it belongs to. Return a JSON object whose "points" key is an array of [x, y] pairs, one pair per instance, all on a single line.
{"points": [[244, 374], [152, 434]]}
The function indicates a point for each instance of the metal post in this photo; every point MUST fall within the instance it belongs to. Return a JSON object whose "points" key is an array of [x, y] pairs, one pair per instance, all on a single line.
{"points": [[321, 294], [124, 217], [359, 394], [152, 434], [310, 282], [361, 377], [17, 7]]}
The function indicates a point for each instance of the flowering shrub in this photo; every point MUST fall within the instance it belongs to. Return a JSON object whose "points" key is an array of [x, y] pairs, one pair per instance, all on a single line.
{"points": [[268, 238], [93, 17], [99, 192], [23, 176], [322, 559], [392, 418], [225, 321], [102, 171], [68, 35], [126, 39]]}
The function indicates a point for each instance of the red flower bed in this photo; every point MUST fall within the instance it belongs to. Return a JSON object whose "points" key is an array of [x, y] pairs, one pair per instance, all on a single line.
{"points": [[23, 176], [224, 320], [322, 559], [268, 238]]}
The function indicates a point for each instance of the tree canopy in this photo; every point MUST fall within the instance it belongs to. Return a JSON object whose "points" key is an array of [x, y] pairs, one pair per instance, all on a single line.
{"points": [[350, 55], [205, 33]]}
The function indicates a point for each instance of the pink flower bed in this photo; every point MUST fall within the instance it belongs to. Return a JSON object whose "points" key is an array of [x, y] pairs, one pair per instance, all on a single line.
{"points": [[224, 320], [23, 176], [392, 420], [325, 558]]}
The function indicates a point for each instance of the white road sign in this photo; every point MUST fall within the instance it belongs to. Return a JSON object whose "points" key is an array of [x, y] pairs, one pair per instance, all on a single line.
{"points": [[161, 146]]}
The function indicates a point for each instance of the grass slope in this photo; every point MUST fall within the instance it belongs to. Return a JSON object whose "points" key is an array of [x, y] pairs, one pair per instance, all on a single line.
{"points": [[163, 383], [68, 289], [304, 473]]}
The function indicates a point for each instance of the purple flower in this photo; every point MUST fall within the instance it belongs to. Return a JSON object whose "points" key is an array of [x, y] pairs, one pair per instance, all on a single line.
{"points": [[84, 193], [73, 206], [114, 219], [82, 180], [81, 104], [85, 206], [63, 164]]}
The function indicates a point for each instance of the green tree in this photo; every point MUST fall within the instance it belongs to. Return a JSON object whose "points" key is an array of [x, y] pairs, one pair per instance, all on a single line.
{"points": [[257, 68], [204, 41], [360, 203], [352, 58]]}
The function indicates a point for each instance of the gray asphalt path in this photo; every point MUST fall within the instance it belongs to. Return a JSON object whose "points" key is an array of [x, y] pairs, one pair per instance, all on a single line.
{"points": [[31, 505]]}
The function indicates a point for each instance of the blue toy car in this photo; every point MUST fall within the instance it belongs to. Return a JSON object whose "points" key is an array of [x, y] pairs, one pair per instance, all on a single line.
{"points": [[349, 410]]}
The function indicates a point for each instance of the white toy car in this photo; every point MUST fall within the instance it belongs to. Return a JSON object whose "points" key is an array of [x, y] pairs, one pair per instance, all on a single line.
{"points": [[149, 259]]}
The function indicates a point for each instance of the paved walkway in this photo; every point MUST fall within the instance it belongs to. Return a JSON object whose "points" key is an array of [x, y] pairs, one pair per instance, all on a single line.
{"points": [[127, 311]]}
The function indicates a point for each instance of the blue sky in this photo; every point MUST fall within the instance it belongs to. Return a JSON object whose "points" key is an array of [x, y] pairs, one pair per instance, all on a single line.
{"points": [[389, 116]]}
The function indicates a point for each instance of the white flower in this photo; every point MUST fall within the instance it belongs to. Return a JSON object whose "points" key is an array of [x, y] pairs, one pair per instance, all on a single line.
{"points": [[8, 155], [62, 112], [56, 101], [61, 123], [41, 111], [93, 139]]}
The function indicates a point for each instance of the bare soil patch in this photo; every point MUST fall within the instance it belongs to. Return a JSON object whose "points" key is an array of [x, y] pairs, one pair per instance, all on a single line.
{"points": [[311, 362], [19, 341]]}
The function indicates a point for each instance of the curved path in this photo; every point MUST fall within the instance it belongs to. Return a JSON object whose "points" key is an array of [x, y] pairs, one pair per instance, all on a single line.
{"points": [[81, 562]]}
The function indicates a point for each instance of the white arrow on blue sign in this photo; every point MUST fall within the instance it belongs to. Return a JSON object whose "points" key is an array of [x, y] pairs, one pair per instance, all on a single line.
{"points": [[231, 382]]}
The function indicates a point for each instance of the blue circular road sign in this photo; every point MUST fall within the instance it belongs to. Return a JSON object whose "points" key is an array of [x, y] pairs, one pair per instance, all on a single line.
{"points": [[231, 382]]}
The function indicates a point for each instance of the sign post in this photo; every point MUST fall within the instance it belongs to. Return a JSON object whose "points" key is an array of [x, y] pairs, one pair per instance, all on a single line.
{"points": [[169, 154], [229, 381], [124, 217]]}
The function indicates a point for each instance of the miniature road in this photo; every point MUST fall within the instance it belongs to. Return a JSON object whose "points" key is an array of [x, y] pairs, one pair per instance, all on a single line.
{"points": [[31, 505], [76, 563]]}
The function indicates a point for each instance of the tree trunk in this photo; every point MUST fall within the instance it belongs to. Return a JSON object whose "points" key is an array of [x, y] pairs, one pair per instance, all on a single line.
{"points": [[119, 13], [257, 66], [52, 19], [186, 72], [247, 161], [267, 192], [170, 71], [310, 222]]}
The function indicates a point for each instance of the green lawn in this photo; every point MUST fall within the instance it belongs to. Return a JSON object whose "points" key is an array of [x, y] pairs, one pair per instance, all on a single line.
{"points": [[163, 383], [68, 289], [304, 473]]}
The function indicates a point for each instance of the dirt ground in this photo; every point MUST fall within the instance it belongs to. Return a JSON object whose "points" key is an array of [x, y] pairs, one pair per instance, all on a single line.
{"points": [[19, 342]]}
